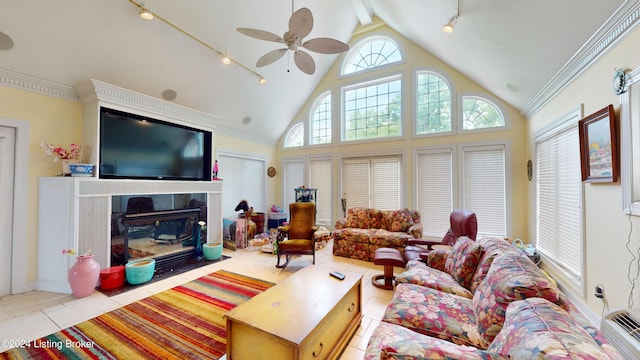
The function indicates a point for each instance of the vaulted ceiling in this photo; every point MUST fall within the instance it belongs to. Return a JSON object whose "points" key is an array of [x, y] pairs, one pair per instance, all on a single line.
{"points": [[512, 48]]}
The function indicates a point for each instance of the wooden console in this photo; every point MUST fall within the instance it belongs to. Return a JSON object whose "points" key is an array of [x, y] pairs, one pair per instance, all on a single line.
{"points": [[310, 315]]}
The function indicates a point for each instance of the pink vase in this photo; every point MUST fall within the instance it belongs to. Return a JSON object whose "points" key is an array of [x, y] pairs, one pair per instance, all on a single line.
{"points": [[83, 276]]}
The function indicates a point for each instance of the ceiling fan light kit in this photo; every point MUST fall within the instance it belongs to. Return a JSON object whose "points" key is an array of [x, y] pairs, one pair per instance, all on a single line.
{"points": [[300, 25]]}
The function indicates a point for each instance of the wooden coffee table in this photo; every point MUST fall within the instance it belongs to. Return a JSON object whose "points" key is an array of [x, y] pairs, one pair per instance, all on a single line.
{"points": [[310, 315]]}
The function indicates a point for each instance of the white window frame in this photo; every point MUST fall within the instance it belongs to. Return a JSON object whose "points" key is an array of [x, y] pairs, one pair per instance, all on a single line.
{"points": [[454, 106], [506, 145], [319, 101], [288, 133], [402, 176], [230, 203], [359, 45], [385, 79], [436, 224], [564, 123], [630, 143], [490, 99]]}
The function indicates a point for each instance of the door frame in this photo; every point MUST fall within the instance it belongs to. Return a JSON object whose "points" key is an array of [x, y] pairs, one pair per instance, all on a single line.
{"points": [[19, 263]]}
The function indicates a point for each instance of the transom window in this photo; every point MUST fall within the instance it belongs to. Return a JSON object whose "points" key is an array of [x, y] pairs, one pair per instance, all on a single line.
{"points": [[374, 52], [373, 110], [479, 113], [295, 136], [321, 120], [433, 104]]}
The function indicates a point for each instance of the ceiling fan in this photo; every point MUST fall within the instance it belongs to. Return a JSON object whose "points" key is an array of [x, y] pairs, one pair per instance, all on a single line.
{"points": [[300, 25]]}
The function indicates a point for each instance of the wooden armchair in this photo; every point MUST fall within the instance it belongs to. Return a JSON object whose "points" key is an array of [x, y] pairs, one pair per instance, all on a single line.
{"points": [[462, 222], [297, 238]]}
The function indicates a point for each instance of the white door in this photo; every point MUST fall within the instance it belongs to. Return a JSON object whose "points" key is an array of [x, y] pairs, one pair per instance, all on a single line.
{"points": [[7, 155]]}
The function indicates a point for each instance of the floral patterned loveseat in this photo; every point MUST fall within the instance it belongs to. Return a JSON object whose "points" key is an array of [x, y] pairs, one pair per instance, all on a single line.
{"points": [[365, 230], [513, 312]]}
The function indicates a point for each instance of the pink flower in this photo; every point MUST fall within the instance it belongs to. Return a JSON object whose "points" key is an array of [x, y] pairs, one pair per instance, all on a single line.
{"points": [[61, 153]]}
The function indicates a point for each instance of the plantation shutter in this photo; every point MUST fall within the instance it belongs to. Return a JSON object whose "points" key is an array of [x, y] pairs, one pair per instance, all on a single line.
{"points": [[293, 178], [559, 199], [355, 180], [435, 190], [385, 192], [484, 187], [243, 179], [320, 178]]}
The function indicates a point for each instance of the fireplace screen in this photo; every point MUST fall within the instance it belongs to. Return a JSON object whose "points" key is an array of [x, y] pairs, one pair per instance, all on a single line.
{"points": [[165, 235]]}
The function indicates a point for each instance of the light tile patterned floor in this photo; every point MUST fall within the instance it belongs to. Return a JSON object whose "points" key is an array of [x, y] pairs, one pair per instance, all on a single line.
{"points": [[35, 314]]}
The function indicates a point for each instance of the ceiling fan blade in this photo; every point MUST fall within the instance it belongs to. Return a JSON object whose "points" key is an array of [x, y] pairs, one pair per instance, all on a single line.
{"points": [[304, 62], [325, 46], [301, 23], [270, 57], [260, 34]]}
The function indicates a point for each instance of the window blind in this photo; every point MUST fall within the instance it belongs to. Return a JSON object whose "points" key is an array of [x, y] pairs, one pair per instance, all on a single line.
{"points": [[484, 187], [293, 178], [385, 180], [243, 178], [320, 178], [355, 182], [435, 189], [372, 182], [559, 200]]}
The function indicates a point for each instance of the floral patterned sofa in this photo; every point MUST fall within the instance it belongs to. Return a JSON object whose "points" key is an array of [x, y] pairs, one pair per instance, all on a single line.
{"points": [[365, 230], [509, 309]]}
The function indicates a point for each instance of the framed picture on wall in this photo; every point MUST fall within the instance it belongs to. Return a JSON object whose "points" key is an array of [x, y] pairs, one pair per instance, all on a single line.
{"points": [[599, 146]]}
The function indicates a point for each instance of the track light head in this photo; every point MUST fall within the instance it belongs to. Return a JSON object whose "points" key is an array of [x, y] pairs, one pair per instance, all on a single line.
{"points": [[145, 13], [448, 27]]}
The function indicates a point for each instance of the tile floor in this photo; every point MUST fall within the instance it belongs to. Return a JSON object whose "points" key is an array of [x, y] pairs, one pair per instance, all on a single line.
{"points": [[35, 314]]}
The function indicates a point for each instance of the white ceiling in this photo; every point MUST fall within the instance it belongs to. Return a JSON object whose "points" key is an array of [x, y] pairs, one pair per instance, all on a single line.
{"points": [[496, 42]]}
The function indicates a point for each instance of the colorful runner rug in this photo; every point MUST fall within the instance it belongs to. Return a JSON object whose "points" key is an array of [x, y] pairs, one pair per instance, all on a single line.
{"points": [[185, 322]]}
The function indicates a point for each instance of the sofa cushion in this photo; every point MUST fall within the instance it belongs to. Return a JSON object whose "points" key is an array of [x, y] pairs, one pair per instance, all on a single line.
{"points": [[358, 218], [535, 329], [419, 274], [383, 238], [434, 313], [491, 247], [463, 260], [396, 220], [512, 277]]}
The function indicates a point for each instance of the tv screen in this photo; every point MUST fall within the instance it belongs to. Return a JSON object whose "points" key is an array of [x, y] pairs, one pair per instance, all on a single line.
{"points": [[137, 147]]}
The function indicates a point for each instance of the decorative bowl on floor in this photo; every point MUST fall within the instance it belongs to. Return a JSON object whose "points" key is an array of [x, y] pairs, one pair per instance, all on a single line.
{"points": [[140, 271], [81, 169], [212, 251]]}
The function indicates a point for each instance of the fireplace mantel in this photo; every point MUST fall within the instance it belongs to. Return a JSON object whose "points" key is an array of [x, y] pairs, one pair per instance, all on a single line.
{"points": [[75, 213]]}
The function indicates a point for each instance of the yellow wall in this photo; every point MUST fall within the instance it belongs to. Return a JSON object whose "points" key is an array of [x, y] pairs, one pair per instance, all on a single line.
{"points": [[606, 226], [417, 58], [50, 119]]}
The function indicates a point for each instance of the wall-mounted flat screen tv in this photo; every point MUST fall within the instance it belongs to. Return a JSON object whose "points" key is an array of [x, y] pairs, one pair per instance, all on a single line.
{"points": [[138, 147]]}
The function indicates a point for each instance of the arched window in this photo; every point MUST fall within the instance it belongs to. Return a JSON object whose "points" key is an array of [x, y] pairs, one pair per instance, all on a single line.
{"points": [[371, 53], [433, 104], [479, 113], [295, 136], [320, 120]]}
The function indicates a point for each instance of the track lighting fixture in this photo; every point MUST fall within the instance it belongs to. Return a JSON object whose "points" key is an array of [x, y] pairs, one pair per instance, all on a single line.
{"points": [[148, 14], [145, 13], [448, 27]]}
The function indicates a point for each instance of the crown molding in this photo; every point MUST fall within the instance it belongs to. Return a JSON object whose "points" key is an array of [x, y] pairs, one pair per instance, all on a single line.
{"points": [[614, 30], [29, 83], [92, 91]]}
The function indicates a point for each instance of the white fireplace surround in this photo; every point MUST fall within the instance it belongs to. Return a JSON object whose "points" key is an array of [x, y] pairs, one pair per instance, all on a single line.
{"points": [[75, 212]]}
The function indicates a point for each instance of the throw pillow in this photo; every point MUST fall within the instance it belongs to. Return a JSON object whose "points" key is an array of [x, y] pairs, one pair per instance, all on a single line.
{"points": [[358, 218], [536, 328], [463, 260], [397, 221]]}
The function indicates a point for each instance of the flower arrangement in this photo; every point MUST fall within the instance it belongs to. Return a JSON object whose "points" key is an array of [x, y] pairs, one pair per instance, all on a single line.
{"points": [[71, 252], [60, 153]]}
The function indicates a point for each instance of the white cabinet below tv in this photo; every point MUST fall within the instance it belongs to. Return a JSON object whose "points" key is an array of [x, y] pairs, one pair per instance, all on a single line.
{"points": [[75, 213]]}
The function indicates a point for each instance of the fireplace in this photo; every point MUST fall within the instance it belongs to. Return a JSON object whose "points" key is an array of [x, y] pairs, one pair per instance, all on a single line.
{"points": [[171, 235]]}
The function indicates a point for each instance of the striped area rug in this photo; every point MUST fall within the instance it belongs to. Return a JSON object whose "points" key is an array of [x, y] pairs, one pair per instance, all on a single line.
{"points": [[185, 322]]}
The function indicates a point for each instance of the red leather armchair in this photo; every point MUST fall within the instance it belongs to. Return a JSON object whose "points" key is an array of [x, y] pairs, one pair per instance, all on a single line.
{"points": [[462, 222]]}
